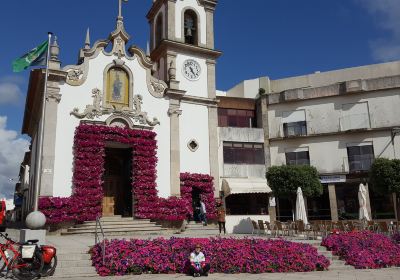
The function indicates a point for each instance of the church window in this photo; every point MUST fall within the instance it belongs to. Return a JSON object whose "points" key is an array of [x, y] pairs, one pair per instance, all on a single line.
{"points": [[190, 27], [117, 87], [159, 29]]}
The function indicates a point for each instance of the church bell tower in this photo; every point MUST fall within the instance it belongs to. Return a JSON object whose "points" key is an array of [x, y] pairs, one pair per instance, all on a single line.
{"points": [[182, 46]]}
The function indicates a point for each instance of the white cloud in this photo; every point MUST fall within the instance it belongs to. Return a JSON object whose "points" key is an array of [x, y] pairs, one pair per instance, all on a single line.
{"points": [[10, 90], [387, 16], [12, 153]]}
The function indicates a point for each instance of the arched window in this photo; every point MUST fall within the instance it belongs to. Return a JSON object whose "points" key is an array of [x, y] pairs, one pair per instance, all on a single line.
{"points": [[117, 87], [190, 27], [159, 29]]}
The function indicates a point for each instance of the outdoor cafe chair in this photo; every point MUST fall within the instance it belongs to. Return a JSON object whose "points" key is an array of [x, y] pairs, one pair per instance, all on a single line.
{"points": [[261, 227], [281, 228], [270, 229], [301, 228], [255, 227], [383, 228]]}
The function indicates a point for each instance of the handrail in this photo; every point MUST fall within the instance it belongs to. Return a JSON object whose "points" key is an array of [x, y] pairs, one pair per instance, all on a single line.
{"points": [[97, 238]]}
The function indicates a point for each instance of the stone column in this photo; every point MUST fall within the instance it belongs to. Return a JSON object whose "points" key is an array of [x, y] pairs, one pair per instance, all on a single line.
{"points": [[49, 139], [212, 126], [209, 28], [368, 201], [174, 112], [170, 21], [396, 215], [333, 202]]}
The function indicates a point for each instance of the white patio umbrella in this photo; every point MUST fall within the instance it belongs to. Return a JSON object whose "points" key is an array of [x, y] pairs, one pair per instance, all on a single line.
{"points": [[362, 199], [301, 213]]}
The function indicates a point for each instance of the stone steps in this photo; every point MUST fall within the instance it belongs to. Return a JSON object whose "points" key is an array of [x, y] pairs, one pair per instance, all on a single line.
{"points": [[336, 262], [116, 225], [74, 264]]}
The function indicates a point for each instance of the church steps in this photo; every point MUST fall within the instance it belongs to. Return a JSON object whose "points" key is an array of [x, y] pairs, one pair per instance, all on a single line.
{"points": [[115, 224]]}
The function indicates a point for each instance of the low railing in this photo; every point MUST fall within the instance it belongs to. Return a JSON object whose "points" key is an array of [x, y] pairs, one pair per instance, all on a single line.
{"points": [[97, 237]]}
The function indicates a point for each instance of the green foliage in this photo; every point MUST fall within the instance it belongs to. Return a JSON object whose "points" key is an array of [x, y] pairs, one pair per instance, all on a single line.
{"points": [[284, 180], [385, 175]]}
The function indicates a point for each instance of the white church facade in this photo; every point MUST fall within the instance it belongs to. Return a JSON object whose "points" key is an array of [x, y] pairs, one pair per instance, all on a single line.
{"points": [[169, 93]]}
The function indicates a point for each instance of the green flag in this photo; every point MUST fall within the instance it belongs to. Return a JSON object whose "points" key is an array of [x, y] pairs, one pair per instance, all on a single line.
{"points": [[35, 57]]}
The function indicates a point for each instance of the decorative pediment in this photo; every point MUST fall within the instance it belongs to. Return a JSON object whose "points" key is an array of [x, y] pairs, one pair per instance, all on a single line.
{"points": [[97, 110]]}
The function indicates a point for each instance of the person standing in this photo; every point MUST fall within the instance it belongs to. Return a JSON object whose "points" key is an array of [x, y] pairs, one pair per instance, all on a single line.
{"points": [[203, 212], [221, 216]]}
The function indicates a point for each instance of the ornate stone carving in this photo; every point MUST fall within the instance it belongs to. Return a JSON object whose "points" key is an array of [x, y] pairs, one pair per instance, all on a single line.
{"points": [[156, 87], [97, 110], [174, 111], [74, 74]]}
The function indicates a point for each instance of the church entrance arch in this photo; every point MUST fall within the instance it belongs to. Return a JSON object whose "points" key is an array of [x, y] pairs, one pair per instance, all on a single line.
{"points": [[117, 199]]}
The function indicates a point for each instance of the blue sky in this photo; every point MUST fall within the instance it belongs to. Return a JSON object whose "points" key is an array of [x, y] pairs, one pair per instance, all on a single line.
{"points": [[257, 37]]}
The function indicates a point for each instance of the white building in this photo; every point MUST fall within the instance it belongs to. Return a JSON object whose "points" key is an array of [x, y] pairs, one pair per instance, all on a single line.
{"points": [[337, 121], [170, 91]]}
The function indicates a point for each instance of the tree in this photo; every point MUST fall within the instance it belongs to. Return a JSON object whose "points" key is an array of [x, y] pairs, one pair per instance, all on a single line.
{"points": [[284, 181], [384, 176]]}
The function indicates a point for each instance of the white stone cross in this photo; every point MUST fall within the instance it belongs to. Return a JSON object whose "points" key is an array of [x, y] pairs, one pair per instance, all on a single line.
{"points": [[120, 7]]}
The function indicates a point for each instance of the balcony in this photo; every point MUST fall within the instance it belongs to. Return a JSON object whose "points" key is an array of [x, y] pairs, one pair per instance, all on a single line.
{"points": [[244, 170], [241, 134], [354, 121]]}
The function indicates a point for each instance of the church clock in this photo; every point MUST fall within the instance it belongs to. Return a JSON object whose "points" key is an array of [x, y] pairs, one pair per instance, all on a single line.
{"points": [[191, 69]]}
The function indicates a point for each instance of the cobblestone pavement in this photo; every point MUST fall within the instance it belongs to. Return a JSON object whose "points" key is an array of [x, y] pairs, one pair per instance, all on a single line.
{"points": [[370, 274]]}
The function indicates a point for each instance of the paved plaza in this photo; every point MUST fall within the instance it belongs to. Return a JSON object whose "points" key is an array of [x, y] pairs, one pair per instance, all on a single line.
{"points": [[378, 274], [72, 244]]}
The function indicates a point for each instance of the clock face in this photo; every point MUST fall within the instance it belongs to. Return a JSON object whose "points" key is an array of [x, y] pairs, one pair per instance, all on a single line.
{"points": [[191, 69]]}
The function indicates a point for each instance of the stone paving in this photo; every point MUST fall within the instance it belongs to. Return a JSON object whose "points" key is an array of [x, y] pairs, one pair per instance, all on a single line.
{"points": [[71, 244], [378, 274]]}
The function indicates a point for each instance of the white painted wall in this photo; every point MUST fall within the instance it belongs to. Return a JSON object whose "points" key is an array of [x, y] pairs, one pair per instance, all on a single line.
{"points": [[180, 6], [329, 153], [80, 96], [194, 88], [194, 125], [323, 115]]}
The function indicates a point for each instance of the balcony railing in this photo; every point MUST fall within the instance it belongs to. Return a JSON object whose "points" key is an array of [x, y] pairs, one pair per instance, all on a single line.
{"points": [[244, 170], [354, 121]]}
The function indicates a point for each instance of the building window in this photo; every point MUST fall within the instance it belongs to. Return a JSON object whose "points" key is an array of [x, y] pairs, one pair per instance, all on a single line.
{"points": [[117, 87], [236, 118], [297, 158], [243, 153], [159, 29], [247, 204], [190, 27], [360, 157], [295, 129]]}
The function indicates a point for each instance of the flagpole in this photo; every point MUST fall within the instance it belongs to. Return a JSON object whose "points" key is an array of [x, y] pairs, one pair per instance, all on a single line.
{"points": [[38, 169]]}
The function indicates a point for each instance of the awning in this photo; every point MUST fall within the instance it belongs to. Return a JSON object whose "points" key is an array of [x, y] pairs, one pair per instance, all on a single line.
{"points": [[244, 185]]}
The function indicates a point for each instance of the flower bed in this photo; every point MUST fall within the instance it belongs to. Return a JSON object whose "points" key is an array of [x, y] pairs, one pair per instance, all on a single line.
{"points": [[364, 249], [225, 255], [89, 152], [396, 237]]}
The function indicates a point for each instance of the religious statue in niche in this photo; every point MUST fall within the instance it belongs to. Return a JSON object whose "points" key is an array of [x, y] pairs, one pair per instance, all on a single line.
{"points": [[117, 88]]}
